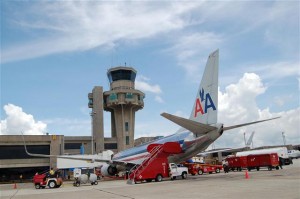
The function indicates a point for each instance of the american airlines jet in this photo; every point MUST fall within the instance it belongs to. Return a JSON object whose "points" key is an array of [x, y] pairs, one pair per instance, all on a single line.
{"points": [[195, 134]]}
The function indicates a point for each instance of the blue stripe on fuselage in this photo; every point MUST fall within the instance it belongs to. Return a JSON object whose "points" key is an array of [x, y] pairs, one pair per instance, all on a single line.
{"points": [[178, 137]]}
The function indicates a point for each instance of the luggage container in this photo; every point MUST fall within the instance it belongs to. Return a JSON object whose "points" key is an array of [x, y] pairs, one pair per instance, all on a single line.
{"points": [[263, 160], [237, 163]]}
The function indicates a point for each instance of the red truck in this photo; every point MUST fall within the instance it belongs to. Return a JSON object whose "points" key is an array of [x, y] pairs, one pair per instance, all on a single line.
{"points": [[263, 160], [42, 181], [198, 168]]}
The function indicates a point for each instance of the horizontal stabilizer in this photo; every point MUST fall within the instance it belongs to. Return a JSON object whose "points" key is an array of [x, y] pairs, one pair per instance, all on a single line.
{"points": [[195, 127], [246, 124]]}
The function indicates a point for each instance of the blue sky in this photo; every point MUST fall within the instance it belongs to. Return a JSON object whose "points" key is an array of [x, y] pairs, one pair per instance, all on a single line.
{"points": [[54, 52]]}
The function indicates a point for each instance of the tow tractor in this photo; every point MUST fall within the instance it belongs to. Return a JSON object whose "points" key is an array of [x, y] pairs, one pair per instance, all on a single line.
{"points": [[156, 166], [42, 181], [199, 168]]}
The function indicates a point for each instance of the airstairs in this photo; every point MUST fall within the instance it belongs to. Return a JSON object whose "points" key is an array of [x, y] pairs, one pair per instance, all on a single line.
{"points": [[155, 162]]}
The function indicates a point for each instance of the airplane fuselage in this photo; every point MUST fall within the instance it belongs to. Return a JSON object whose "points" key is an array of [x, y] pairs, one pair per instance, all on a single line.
{"points": [[190, 144]]}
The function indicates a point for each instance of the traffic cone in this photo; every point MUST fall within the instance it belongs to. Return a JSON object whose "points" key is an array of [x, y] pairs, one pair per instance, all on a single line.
{"points": [[246, 175], [15, 185]]}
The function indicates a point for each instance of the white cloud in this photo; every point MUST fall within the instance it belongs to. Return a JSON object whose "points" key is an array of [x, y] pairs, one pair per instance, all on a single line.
{"points": [[189, 50], [158, 99], [276, 70], [141, 83], [146, 87], [238, 105], [91, 24], [238, 102], [18, 121], [70, 127]]}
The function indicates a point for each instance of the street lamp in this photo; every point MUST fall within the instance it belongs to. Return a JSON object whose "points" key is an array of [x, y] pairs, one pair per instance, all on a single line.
{"points": [[283, 137], [92, 131]]}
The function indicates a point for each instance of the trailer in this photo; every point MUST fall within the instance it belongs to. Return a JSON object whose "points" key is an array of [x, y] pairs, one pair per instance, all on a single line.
{"points": [[84, 176], [282, 153], [263, 160], [199, 168], [237, 163]]}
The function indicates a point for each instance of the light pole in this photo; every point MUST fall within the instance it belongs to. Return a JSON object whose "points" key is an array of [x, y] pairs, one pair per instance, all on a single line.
{"points": [[245, 138], [283, 137], [92, 130]]}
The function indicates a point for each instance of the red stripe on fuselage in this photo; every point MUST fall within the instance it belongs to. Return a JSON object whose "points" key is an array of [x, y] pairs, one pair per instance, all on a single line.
{"points": [[135, 158]]}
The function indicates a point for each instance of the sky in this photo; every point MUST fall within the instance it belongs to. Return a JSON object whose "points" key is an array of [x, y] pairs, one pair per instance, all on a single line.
{"points": [[54, 52]]}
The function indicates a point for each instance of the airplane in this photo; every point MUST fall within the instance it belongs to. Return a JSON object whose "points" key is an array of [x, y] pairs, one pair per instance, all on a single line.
{"points": [[294, 154], [194, 136]]}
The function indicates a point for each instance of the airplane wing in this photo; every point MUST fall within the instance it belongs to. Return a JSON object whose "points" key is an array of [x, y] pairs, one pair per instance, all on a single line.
{"points": [[90, 159], [195, 127], [246, 124]]}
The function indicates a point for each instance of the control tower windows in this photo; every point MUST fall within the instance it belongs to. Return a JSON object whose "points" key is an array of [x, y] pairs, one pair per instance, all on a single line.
{"points": [[127, 140], [126, 126], [121, 75], [113, 96], [129, 96]]}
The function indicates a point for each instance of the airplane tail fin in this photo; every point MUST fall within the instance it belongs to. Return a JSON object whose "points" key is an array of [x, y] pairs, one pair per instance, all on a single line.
{"points": [[248, 144], [206, 104]]}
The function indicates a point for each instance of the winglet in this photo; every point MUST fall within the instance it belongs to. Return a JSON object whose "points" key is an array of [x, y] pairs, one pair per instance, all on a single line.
{"points": [[35, 155]]}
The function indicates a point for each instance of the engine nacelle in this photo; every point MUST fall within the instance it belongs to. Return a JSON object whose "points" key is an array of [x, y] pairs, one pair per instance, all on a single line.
{"points": [[109, 170]]}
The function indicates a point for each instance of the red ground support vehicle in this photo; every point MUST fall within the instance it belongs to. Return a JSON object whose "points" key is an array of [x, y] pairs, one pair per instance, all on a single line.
{"points": [[156, 166], [197, 168], [263, 160], [42, 181], [237, 163]]}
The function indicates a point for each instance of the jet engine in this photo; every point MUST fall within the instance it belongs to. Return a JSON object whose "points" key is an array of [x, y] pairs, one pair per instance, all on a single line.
{"points": [[109, 170]]}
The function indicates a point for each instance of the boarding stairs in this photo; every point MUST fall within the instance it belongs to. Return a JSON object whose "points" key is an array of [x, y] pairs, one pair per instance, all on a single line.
{"points": [[155, 161], [150, 157]]}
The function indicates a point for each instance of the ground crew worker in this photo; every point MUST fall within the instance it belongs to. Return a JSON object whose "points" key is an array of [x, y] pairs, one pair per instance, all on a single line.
{"points": [[21, 178], [51, 172]]}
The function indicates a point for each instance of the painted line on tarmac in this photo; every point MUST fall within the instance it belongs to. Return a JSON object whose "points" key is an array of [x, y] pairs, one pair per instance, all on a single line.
{"points": [[14, 194], [114, 193]]}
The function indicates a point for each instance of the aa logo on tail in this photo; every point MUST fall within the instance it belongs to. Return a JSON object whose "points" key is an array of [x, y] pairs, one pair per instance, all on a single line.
{"points": [[199, 104]]}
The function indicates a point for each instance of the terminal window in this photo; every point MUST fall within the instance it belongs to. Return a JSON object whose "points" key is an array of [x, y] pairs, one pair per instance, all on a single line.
{"points": [[110, 146], [72, 145]]}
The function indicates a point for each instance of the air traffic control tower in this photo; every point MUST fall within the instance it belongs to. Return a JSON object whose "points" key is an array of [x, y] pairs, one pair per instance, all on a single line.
{"points": [[122, 100]]}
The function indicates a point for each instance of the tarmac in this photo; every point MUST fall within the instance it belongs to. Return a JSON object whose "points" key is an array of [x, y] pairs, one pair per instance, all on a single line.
{"points": [[283, 183]]}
